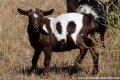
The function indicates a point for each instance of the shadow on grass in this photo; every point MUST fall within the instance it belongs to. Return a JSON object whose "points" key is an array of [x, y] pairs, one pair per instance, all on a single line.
{"points": [[58, 70]]}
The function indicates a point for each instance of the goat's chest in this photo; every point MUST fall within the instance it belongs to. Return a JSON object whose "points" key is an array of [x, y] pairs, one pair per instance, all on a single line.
{"points": [[34, 40]]}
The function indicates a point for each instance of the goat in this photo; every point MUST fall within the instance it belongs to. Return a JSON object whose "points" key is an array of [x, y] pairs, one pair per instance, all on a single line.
{"points": [[88, 6], [62, 33]]}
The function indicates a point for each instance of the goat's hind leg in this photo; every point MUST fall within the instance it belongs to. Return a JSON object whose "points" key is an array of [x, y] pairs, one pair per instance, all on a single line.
{"points": [[95, 57], [35, 59], [80, 57], [102, 34]]}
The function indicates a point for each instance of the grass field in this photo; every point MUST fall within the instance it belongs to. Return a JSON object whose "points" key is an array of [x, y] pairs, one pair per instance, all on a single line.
{"points": [[16, 52]]}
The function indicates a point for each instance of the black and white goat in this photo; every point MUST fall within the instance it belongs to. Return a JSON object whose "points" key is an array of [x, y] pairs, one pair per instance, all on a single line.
{"points": [[62, 33], [88, 6]]}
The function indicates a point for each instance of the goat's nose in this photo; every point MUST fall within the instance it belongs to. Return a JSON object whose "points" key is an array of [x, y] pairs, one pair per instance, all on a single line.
{"points": [[35, 26]]}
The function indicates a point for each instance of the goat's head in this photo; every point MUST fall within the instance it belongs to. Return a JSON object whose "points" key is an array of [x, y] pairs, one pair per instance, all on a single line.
{"points": [[35, 17]]}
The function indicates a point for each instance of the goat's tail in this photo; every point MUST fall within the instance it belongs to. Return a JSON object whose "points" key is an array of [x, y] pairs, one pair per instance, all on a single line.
{"points": [[86, 9]]}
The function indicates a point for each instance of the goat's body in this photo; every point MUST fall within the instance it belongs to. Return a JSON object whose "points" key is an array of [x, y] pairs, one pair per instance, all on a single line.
{"points": [[71, 25], [63, 33]]}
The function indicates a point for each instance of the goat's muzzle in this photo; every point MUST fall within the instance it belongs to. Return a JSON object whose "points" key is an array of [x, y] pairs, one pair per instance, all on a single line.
{"points": [[36, 27]]}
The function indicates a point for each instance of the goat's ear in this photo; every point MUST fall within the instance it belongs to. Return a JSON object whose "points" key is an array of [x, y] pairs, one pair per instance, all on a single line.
{"points": [[23, 12], [48, 12]]}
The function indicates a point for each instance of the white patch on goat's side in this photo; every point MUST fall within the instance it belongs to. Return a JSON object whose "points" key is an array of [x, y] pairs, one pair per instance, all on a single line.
{"points": [[35, 15], [53, 22], [45, 28], [63, 33], [64, 19], [79, 25], [87, 10]]}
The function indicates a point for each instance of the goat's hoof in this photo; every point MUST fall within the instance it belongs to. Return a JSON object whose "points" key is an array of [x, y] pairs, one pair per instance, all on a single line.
{"points": [[31, 70], [29, 73], [46, 72], [102, 45], [76, 67], [94, 71]]}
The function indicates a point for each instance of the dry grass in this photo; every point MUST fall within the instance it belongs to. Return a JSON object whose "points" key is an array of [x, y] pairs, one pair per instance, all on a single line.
{"points": [[16, 52]]}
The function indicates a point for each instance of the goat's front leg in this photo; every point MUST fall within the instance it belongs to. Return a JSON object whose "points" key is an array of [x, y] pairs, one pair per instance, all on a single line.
{"points": [[95, 57], [80, 57], [35, 59], [47, 59]]}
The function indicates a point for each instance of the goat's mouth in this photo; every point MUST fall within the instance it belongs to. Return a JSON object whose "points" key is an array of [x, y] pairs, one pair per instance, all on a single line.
{"points": [[36, 28]]}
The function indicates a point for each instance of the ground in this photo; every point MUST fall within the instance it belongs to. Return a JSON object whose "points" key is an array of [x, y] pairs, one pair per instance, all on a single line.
{"points": [[16, 52]]}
